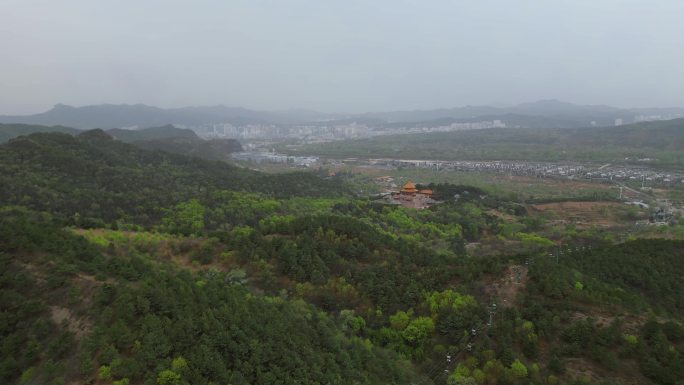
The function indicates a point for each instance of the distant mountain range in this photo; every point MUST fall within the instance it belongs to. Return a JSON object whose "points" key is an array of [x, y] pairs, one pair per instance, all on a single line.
{"points": [[133, 116], [549, 113], [10, 131]]}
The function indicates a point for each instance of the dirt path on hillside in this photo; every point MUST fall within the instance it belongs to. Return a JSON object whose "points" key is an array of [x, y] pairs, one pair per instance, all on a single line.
{"points": [[504, 290]]}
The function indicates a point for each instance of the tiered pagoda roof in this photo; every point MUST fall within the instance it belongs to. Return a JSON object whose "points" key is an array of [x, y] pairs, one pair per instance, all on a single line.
{"points": [[409, 188]]}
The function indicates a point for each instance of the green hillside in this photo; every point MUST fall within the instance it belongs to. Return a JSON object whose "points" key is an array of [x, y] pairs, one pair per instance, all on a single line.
{"points": [[178, 141], [157, 324], [214, 149], [128, 266], [93, 176], [164, 138], [9, 131]]}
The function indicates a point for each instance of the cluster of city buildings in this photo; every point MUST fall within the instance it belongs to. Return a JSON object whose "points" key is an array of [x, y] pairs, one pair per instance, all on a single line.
{"points": [[327, 131], [650, 118], [270, 131], [467, 126], [270, 157], [345, 129], [443, 128]]}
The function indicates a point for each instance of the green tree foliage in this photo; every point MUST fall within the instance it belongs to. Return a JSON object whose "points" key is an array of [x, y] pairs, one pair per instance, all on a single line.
{"points": [[519, 369], [245, 278], [447, 300], [651, 268], [660, 352], [185, 218], [169, 377], [418, 330], [167, 329], [91, 179]]}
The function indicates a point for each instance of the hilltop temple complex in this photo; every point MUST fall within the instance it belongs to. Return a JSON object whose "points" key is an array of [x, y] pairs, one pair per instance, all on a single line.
{"points": [[410, 196]]}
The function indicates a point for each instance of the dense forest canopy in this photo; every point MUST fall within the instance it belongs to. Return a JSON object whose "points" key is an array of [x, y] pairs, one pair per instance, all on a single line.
{"points": [[130, 266], [93, 176]]}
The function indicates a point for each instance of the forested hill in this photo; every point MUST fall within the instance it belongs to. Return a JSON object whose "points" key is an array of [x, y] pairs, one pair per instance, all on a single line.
{"points": [[9, 131], [214, 149], [126, 115], [127, 267], [178, 141], [165, 138], [73, 313], [92, 175]]}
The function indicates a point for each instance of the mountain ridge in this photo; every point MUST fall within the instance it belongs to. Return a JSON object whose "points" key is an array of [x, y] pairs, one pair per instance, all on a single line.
{"points": [[140, 115]]}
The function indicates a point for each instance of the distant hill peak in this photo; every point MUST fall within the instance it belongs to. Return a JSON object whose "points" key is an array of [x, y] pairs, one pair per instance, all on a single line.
{"points": [[96, 134], [107, 116]]}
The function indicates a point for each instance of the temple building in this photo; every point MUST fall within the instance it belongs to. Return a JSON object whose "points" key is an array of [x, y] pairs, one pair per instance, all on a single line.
{"points": [[410, 196]]}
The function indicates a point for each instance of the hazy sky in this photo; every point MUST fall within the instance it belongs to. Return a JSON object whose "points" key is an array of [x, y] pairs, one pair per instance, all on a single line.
{"points": [[340, 55]]}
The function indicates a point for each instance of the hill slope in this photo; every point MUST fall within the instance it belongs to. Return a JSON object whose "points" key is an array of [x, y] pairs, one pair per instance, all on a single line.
{"points": [[125, 115], [127, 266], [74, 314], [178, 141], [164, 138], [93, 175], [9, 131]]}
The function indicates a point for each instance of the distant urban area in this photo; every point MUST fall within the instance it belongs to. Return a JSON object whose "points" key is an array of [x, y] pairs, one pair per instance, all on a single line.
{"points": [[328, 131], [333, 130]]}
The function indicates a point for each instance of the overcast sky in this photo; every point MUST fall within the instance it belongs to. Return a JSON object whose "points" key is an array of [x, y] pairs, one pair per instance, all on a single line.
{"points": [[340, 55]]}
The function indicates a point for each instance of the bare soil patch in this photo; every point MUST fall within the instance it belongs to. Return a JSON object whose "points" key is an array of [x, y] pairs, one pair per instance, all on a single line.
{"points": [[78, 325], [505, 289], [583, 214]]}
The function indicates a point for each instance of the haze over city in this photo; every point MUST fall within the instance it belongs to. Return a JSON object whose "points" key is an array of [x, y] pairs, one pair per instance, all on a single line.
{"points": [[340, 56]]}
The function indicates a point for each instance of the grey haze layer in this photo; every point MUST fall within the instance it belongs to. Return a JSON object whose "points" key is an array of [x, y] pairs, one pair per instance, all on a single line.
{"points": [[351, 55]]}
